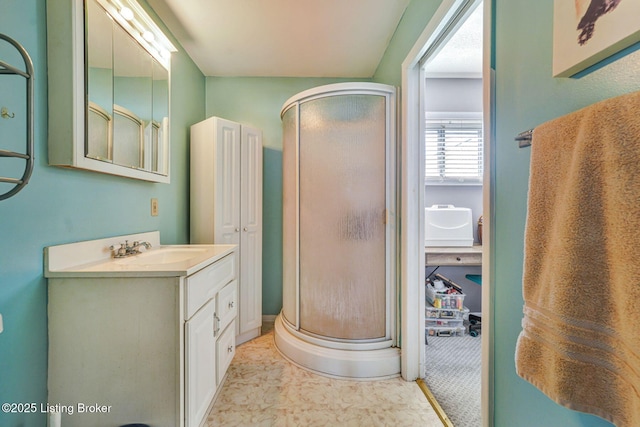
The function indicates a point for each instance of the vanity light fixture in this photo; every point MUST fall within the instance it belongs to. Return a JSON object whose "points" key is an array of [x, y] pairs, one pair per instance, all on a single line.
{"points": [[135, 20]]}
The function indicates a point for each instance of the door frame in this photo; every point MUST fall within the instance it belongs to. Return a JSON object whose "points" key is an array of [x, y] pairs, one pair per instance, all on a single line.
{"points": [[411, 175]]}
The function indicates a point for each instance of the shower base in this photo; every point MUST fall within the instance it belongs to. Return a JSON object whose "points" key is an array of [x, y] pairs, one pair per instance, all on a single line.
{"points": [[367, 364]]}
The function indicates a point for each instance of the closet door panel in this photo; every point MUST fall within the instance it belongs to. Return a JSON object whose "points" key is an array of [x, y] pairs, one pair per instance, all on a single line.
{"points": [[227, 190], [251, 220]]}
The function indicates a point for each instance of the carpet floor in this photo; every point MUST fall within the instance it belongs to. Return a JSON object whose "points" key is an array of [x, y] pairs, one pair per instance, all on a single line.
{"points": [[453, 375]]}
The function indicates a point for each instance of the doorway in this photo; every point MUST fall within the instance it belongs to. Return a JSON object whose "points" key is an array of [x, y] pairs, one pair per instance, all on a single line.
{"points": [[445, 22], [451, 103]]}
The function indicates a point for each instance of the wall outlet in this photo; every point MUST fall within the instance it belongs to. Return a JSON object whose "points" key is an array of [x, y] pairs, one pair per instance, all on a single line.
{"points": [[154, 207]]}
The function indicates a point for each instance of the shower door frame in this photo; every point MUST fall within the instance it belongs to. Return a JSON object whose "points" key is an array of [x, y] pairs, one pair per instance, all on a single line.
{"points": [[391, 256]]}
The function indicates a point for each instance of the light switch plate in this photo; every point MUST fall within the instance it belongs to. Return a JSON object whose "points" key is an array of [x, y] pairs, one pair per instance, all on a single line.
{"points": [[1, 324], [154, 207]]}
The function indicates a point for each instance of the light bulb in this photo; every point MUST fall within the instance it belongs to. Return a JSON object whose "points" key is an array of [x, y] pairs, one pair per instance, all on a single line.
{"points": [[126, 13], [148, 36]]}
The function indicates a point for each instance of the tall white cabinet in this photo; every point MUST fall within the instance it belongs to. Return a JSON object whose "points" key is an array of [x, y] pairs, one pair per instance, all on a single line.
{"points": [[226, 205]]}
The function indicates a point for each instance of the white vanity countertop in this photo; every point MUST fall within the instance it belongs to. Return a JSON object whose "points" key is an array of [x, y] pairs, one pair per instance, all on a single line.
{"points": [[93, 258]]}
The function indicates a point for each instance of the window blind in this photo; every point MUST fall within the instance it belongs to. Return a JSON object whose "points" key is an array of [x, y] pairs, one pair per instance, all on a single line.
{"points": [[453, 150]]}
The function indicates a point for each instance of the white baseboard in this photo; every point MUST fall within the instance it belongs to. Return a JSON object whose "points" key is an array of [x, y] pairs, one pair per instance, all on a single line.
{"points": [[269, 318]]}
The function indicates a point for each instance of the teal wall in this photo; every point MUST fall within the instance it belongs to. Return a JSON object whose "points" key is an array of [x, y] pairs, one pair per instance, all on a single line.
{"points": [[527, 95], [411, 26], [62, 205]]}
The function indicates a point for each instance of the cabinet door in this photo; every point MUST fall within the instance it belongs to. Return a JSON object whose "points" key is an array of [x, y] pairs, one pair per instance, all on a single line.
{"points": [[227, 182], [226, 347], [200, 364], [251, 238]]}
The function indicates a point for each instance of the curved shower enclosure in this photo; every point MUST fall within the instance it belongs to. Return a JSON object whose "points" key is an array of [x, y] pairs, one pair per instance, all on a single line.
{"points": [[338, 311]]}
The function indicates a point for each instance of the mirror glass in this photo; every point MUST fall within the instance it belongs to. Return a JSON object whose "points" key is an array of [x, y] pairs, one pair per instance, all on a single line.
{"points": [[160, 126], [127, 97], [100, 84]]}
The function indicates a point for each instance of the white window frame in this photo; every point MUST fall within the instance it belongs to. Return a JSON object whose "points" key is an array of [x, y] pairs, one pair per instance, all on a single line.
{"points": [[474, 175]]}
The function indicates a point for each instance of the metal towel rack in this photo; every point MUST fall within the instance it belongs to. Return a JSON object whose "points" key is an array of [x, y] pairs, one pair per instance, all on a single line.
{"points": [[5, 68], [524, 138]]}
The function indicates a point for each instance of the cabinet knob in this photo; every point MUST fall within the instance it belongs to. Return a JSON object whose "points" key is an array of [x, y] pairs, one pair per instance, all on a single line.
{"points": [[237, 229], [245, 229], [230, 349]]}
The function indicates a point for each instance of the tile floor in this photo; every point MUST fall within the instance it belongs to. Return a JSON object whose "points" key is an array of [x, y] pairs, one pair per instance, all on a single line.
{"points": [[264, 389]]}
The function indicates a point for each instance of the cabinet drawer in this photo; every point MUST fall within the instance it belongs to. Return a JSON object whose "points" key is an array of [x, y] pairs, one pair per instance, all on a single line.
{"points": [[225, 350], [204, 284], [227, 304]]}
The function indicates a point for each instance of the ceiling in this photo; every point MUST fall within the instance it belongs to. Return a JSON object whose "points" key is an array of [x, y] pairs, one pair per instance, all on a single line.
{"points": [[284, 38], [461, 56]]}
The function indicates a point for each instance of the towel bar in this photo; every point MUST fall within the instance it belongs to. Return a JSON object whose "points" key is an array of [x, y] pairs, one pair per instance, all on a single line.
{"points": [[5, 69], [524, 138]]}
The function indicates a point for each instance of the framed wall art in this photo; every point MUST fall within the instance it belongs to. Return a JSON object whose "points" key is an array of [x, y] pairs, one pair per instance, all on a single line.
{"points": [[587, 31]]}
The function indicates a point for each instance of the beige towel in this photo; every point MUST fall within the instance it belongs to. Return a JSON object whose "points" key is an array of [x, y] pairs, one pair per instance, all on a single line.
{"points": [[580, 342]]}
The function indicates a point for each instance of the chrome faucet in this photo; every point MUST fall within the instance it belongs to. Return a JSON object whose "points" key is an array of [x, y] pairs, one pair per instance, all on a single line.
{"points": [[136, 246], [125, 250]]}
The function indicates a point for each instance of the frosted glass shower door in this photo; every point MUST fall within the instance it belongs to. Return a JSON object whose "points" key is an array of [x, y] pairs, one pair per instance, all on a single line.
{"points": [[342, 174]]}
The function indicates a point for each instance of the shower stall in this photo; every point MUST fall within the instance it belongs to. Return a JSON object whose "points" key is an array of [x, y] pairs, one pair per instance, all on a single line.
{"points": [[338, 313]]}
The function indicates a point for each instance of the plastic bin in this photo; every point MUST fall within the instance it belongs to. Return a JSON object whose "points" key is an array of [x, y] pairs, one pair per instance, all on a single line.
{"points": [[445, 300], [446, 313], [446, 323], [447, 225], [444, 331]]}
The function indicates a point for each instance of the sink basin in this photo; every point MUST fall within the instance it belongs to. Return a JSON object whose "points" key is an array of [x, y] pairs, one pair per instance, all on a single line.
{"points": [[166, 255]]}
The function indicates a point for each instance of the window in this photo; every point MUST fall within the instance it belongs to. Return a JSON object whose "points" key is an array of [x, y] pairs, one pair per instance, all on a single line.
{"points": [[453, 150]]}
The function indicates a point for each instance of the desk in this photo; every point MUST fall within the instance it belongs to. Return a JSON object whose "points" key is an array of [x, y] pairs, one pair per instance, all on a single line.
{"points": [[453, 256]]}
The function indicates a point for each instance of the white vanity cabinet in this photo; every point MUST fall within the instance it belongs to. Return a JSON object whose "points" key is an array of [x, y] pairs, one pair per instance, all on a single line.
{"points": [[210, 347], [209, 333], [226, 205], [141, 345]]}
